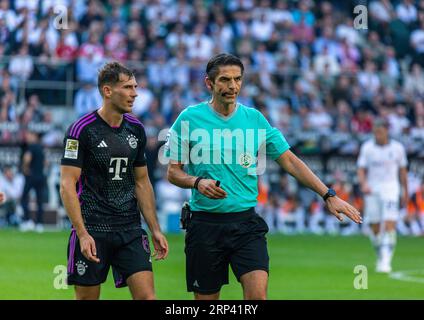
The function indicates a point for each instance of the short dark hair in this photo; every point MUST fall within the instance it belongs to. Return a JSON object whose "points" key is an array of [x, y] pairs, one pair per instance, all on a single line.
{"points": [[381, 122], [110, 72], [222, 59]]}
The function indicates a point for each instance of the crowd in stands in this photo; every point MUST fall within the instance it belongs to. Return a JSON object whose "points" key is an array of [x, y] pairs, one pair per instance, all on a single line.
{"points": [[315, 76]]}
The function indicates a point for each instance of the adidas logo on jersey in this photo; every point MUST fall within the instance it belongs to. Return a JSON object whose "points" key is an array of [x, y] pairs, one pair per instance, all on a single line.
{"points": [[102, 144]]}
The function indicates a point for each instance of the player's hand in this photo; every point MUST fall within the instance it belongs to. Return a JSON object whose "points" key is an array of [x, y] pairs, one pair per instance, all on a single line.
{"points": [[338, 206], [2, 197], [365, 189], [88, 247], [160, 244], [208, 188]]}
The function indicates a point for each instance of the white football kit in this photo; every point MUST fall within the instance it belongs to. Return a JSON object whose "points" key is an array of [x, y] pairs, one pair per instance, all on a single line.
{"points": [[382, 163]]}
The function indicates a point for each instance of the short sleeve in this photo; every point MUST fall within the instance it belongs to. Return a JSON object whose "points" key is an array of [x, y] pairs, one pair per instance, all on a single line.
{"points": [[276, 143], [403, 160], [177, 140], [73, 153], [362, 158], [140, 160]]}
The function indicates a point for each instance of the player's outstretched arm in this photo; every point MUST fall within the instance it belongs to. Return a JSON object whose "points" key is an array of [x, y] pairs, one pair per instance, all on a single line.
{"points": [[69, 176], [146, 200], [298, 169]]}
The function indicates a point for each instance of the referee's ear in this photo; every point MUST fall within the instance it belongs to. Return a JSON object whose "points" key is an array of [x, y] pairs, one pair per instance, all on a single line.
{"points": [[209, 83]]}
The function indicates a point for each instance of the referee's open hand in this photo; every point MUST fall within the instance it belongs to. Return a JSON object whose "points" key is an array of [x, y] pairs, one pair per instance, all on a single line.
{"points": [[209, 189], [338, 206]]}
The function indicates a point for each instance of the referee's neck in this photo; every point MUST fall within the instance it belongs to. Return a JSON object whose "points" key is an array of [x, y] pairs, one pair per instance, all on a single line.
{"points": [[224, 109]]}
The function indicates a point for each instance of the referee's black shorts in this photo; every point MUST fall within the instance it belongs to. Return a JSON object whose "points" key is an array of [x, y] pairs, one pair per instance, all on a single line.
{"points": [[216, 240]]}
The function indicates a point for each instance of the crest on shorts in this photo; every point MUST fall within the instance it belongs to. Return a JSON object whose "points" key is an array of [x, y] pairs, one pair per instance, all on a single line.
{"points": [[145, 242], [132, 141], [81, 267], [246, 160], [71, 149]]}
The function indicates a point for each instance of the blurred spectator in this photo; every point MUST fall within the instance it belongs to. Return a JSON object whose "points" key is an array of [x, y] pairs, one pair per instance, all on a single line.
{"points": [[12, 185], [399, 123], [406, 11], [369, 80], [21, 65], [381, 10], [281, 15], [262, 28], [33, 111], [326, 63], [414, 81], [87, 99], [320, 120], [33, 162], [303, 34], [303, 13], [144, 97], [8, 16], [90, 58], [199, 45], [67, 47], [362, 121], [291, 217]]}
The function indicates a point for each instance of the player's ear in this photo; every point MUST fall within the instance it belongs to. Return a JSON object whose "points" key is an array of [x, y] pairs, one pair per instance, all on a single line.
{"points": [[107, 91], [209, 83]]}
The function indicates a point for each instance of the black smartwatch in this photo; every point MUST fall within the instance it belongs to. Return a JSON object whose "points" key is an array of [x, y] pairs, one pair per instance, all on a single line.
{"points": [[330, 193]]}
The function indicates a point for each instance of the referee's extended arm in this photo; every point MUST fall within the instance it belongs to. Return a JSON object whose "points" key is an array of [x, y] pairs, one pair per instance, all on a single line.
{"points": [[298, 169]]}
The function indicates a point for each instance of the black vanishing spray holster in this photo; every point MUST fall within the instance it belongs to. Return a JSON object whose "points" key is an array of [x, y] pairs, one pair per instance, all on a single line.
{"points": [[185, 215]]}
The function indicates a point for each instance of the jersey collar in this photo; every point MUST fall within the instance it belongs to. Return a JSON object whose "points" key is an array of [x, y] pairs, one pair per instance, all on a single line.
{"points": [[226, 118]]}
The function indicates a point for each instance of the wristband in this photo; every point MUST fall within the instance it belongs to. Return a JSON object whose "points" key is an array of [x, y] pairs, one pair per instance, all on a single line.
{"points": [[196, 183]]}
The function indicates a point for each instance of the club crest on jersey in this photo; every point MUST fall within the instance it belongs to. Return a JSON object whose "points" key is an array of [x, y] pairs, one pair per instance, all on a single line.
{"points": [[81, 267], [246, 160], [132, 140], [71, 149]]}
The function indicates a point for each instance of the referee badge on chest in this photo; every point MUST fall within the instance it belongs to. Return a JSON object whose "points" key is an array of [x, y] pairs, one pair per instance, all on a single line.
{"points": [[246, 160], [132, 141]]}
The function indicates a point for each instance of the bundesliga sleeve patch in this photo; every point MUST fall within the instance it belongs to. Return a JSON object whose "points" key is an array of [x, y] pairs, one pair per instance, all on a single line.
{"points": [[71, 149]]}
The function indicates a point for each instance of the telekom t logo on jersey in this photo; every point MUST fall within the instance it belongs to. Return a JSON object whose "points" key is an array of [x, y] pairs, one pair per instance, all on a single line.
{"points": [[117, 168]]}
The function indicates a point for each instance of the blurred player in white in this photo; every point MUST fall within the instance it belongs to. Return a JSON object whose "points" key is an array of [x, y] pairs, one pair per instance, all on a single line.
{"points": [[382, 173]]}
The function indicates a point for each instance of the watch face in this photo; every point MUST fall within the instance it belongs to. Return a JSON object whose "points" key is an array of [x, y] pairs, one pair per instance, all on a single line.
{"points": [[331, 192]]}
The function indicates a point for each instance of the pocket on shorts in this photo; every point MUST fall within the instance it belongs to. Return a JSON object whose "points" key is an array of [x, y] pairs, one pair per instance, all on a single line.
{"points": [[262, 225]]}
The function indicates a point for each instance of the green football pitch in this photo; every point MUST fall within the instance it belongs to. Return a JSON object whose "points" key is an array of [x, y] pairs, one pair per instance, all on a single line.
{"points": [[301, 267]]}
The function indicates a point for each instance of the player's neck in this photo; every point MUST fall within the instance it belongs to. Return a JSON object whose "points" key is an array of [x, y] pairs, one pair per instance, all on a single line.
{"points": [[110, 116], [382, 142], [224, 109]]}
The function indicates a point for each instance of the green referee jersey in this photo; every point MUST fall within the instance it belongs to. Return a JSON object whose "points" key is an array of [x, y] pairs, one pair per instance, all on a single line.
{"points": [[230, 149]]}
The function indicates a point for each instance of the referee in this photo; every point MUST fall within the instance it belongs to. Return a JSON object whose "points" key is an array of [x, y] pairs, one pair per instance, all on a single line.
{"points": [[219, 141]]}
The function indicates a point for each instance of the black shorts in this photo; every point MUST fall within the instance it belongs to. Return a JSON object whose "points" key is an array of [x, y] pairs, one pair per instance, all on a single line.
{"points": [[128, 252], [216, 240]]}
